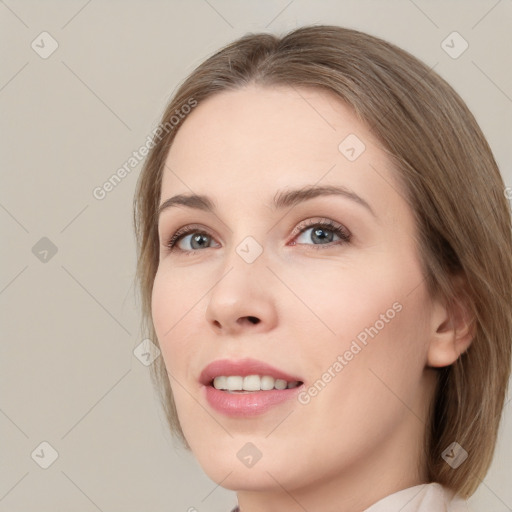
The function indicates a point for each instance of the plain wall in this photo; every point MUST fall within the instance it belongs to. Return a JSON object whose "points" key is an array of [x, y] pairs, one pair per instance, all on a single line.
{"points": [[70, 322]]}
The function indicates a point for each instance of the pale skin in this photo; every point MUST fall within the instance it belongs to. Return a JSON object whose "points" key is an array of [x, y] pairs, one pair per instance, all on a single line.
{"points": [[360, 438]]}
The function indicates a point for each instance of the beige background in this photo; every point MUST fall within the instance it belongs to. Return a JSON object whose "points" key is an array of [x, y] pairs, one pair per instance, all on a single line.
{"points": [[70, 323]]}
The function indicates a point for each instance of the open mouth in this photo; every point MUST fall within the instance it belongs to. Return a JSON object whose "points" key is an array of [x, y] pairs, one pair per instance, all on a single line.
{"points": [[247, 387], [251, 383]]}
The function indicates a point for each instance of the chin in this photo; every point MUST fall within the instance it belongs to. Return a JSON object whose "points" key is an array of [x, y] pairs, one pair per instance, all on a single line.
{"points": [[244, 479], [231, 467]]}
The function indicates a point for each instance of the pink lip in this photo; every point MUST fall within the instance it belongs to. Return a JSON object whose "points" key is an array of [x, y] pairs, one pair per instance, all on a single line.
{"points": [[245, 404]]}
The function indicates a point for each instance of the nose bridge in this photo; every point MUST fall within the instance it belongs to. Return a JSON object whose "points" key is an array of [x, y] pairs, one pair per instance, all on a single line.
{"points": [[243, 267], [249, 234], [246, 244], [239, 292]]}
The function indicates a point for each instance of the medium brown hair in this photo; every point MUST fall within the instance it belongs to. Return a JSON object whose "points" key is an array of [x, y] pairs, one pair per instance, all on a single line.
{"points": [[453, 186]]}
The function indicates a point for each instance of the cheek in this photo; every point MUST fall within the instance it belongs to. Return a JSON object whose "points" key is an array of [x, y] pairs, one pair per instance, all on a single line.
{"points": [[176, 291], [174, 302], [162, 306], [175, 306], [367, 395], [381, 335], [345, 297], [372, 312]]}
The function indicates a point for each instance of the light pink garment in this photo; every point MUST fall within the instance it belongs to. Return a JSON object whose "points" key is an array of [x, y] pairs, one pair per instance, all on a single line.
{"points": [[432, 497]]}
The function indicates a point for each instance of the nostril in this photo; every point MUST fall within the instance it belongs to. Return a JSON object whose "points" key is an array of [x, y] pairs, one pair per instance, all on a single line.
{"points": [[253, 319]]}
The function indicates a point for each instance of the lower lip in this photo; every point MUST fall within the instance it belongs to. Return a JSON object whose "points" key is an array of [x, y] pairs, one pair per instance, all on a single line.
{"points": [[248, 404]]}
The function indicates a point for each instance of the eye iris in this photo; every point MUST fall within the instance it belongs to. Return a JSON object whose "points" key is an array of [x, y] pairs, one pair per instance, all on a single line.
{"points": [[317, 235], [197, 239]]}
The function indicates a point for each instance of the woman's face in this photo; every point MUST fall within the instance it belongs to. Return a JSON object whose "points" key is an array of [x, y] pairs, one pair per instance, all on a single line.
{"points": [[326, 288]]}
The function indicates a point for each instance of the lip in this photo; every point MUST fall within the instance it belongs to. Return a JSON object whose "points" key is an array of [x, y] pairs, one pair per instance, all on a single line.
{"points": [[245, 404]]}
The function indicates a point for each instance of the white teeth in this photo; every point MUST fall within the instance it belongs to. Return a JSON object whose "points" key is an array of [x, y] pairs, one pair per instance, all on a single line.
{"points": [[234, 383], [220, 382], [266, 383], [251, 383], [280, 384]]}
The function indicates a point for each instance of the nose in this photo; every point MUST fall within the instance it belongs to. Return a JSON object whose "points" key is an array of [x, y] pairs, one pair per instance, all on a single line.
{"points": [[242, 301]]}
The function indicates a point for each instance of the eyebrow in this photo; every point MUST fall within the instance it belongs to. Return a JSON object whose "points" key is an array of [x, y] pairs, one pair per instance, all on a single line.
{"points": [[282, 199]]}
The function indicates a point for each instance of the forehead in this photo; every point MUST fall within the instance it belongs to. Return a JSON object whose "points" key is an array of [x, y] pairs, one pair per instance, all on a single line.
{"points": [[245, 144]]}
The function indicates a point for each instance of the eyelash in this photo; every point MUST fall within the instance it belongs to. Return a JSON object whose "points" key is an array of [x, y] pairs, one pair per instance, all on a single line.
{"points": [[338, 229]]}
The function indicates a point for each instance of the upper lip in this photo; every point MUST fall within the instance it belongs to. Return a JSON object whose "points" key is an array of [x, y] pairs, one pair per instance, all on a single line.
{"points": [[242, 368]]}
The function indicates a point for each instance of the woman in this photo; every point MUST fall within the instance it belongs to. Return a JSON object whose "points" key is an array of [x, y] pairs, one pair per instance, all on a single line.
{"points": [[325, 262]]}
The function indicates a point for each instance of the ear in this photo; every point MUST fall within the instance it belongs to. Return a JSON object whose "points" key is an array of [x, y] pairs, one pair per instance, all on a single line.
{"points": [[453, 327]]}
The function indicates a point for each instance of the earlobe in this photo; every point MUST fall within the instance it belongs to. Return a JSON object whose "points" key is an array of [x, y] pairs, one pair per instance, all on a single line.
{"points": [[453, 329]]}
